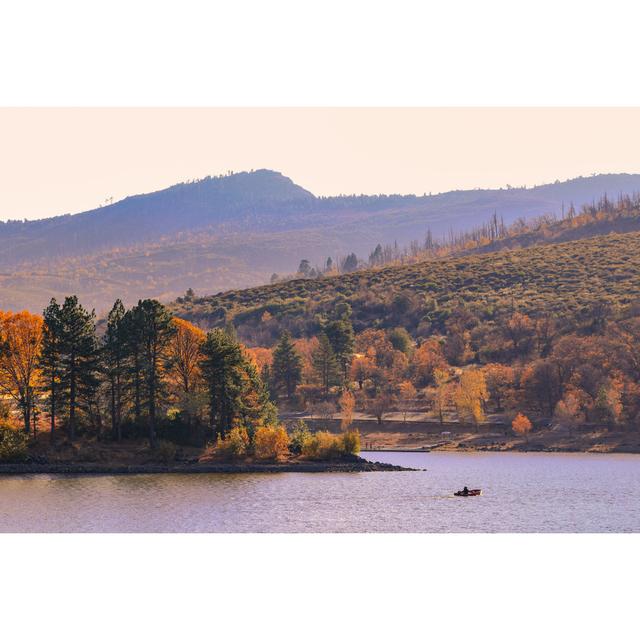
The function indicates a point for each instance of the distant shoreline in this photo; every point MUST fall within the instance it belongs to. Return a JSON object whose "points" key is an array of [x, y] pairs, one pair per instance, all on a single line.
{"points": [[195, 468], [500, 450]]}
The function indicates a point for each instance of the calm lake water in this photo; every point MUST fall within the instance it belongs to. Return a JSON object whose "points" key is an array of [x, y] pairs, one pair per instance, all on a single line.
{"points": [[521, 493]]}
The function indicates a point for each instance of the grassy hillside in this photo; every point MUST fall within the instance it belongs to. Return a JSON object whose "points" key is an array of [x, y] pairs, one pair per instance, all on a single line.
{"points": [[564, 278]]}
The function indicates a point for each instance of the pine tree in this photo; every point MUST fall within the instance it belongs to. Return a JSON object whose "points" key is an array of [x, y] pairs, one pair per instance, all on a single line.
{"points": [[132, 329], [287, 365], [342, 339], [324, 362], [114, 358], [268, 382], [51, 360], [237, 394], [221, 368], [155, 330], [79, 358]]}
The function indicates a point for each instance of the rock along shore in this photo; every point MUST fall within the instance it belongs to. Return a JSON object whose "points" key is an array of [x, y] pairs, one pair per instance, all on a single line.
{"points": [[196, 467]]}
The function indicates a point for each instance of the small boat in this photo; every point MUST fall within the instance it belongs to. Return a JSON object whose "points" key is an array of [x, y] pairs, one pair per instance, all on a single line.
{"points": [[471, 492]]}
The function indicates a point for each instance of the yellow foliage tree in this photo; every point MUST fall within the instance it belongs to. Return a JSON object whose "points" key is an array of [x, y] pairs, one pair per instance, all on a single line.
{"points": [[271, 443], [469, 396]]}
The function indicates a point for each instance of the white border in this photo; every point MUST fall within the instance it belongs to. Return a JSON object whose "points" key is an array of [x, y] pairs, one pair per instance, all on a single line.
{"points": [[312, 53], [319, 53]]}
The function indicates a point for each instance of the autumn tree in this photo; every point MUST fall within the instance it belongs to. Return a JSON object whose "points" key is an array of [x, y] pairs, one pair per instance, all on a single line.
{"points": [[441, 393], [542, 384], [469, 396], [287, 365], [521, 425], [407, 394], [361, 368], [425, 360], [20, 347], [379, 404], [271, 443], [608, 403], [568, 412], [500, 379], [520, 330], [347, 404], [184, 354]]}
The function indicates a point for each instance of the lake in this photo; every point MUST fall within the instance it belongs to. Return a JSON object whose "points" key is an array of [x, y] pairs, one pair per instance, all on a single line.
{"points": [[532, 492]]}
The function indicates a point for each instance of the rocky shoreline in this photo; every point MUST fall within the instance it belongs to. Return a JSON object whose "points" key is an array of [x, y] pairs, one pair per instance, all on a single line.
{"points": [[88, 468]]}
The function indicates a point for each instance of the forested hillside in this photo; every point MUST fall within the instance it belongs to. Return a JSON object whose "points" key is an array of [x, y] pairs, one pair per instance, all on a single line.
{"points": [[236, 230], [565, 279]]}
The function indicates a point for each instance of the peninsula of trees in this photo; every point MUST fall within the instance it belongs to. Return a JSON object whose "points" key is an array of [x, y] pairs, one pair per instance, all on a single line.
{"points": [[146, 377]]}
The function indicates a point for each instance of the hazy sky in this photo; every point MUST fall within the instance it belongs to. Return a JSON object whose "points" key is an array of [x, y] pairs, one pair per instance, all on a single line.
{"points": [[68, 160]]}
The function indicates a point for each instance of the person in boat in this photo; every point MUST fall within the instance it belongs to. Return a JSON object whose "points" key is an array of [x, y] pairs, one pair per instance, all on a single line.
{"points": [[465, 491]]}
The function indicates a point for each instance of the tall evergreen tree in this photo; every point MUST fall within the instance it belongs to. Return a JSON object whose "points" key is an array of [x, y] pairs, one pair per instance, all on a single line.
{"points": [[325, 364], [79, 357], [222, 371], [115, 358], [287, 365], [268, 382], [51, 360], [155, 329], [341, 337], [236, 393], [132, 330]]}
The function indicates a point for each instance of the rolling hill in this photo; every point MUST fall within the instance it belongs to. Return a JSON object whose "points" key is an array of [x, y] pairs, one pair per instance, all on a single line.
{"points": [[567, 279], [234, 231]]}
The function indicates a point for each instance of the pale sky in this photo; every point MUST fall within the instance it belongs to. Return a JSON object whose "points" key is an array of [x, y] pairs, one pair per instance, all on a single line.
{"points": [[67, 160]]}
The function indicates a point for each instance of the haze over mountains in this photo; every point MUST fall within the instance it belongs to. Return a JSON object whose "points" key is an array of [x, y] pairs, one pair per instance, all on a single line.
{"points": [[234, 231]]}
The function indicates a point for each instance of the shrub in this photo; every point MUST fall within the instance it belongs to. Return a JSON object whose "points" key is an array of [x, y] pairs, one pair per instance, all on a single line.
{"points": [[323, 445], [300, 435], [271, 443], [14, 444], [351, 442], [235, 445]]}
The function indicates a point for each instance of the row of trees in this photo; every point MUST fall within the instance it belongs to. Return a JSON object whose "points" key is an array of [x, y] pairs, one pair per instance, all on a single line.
{"points": [[142, 366]]}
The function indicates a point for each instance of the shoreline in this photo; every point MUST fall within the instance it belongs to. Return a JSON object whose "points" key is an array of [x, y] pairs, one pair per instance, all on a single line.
{"points": [[503, 450], [27, 468]]}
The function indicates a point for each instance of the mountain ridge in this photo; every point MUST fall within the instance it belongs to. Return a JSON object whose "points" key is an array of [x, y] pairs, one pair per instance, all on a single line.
{"points": [[234, 231]]}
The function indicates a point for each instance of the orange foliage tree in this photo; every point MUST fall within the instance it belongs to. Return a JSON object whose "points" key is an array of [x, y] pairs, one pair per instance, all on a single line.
{"points": [[425, 360], [20, 346], [521, 425], [185, 355], [347, 404]]}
